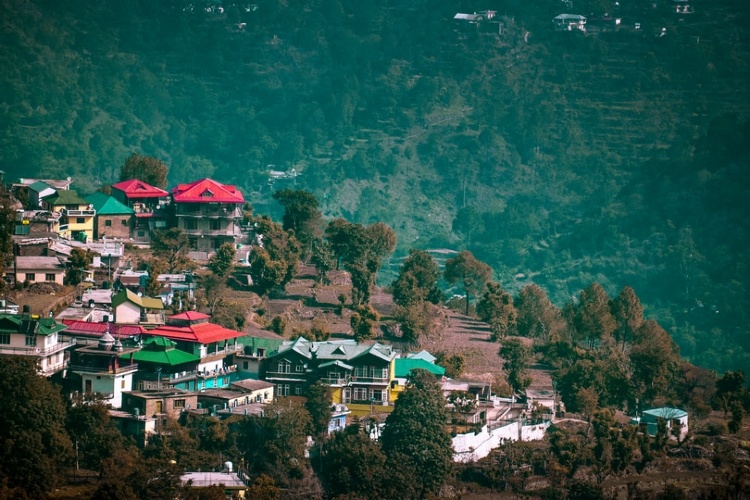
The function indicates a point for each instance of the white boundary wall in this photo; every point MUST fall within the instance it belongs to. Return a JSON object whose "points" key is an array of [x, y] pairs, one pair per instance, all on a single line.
{"points": [[471, 447]]}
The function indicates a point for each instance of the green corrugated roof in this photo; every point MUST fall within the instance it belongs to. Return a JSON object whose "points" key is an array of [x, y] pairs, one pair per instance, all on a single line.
{"points": [[107, 205], [13, 323], [404, 366], [162, 351], [40, 186], [66, 197], [666, 412]]}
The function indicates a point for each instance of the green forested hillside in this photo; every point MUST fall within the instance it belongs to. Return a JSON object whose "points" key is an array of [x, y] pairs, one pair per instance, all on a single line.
{"points": [[614, 156]]}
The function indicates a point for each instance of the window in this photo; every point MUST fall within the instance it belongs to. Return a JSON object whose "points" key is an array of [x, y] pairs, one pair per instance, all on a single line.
{"points": [[261, 352], [5, 338], [108, 223], [299, 368], [282, 389], [87, 387], [191, 224], [80, 220], [30, 277], [49, 277], [244, 365], [360, 394], [298, 390], [122, 384], [216, 225], [284, 366], [159, 407], [179, 403], [30, 341], [124, 222]]}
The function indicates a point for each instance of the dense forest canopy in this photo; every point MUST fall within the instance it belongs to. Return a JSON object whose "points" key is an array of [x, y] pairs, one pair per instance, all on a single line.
{"points": [[561, 158]]}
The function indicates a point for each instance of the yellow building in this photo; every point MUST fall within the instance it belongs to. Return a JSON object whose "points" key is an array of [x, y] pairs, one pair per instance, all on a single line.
{"points": [[76, 215]]}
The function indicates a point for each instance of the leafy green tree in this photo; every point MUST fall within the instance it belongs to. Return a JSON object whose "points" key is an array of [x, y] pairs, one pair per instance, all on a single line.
{"points": [[417, 320], [516, 359], [34, 446], [469, 272], [301, 215], [468, 223], [230, 314], [156, 266], [628, 313], [318, 404], [496, 308], [79, 261], [275, 443], [381, 240], [593, 321], [363, 322], [171, 245], [415, 433], [95, 436], [264, 488], [221, 262], [267, 274], [146, 169], [353, 464], [347, 241], [417, 279], [537, 317], [273, 262], [454, 364], [323, 260], [653, 360]]}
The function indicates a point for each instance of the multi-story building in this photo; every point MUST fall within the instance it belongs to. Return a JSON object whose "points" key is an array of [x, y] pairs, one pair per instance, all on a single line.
{"points": [[77, 215], [113, 218], [148, 203], [39, 270], [209, 213], [106, 369], [358, 375], [34, 337]]}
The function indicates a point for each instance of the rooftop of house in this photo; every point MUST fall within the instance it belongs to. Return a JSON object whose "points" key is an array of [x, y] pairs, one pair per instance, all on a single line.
{"points": [[107, 205], [251, 385], [54, 183], [39, 186], [343, 350], [126, 295], [162, 351], [135, 188], [666, 412], [29, 324], [404, 366], [97, 329], [201, 333], [207, 191], [66, 197], [41, 263], [229, 480]]}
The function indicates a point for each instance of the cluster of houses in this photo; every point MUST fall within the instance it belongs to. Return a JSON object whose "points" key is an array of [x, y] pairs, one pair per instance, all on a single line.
{"points": [[56, 219], [150, 367]]}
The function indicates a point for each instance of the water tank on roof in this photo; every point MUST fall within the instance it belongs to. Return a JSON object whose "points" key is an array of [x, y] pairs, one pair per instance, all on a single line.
{"points": [[228, 466]]}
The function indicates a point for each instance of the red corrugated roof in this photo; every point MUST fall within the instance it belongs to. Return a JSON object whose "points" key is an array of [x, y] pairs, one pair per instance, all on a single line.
{"points": [[134, 188], [77, 327], [202, 333], [207, 191], [190, 316]]}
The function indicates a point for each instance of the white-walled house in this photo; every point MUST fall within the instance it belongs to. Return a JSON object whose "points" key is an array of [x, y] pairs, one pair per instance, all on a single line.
{"points": [[36, 338]]}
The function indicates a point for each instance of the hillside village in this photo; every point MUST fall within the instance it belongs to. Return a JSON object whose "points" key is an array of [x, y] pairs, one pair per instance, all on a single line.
{"points": [[142, 342]]}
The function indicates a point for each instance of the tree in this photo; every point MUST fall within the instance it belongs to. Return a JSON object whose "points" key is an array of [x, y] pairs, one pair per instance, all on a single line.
{"points": [[353, 464], [415, 433], [221, 262], [381, 240], [34, 446], [628, 313], [454, 363], [89, 426], [416, 321], [212, 291], [592, 319], [146, 169], [653, 361], [517, 358], [301, 215], [323, 260], [156, 266], [468, 223], [318, 404], [171, 245], [79, 261], [417, 279], [273, 261], [363, 322], [347, 241], [496, 308], [537, 317], [469, 272]]}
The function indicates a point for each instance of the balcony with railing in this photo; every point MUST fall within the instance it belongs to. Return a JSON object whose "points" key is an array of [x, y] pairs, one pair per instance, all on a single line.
{"points": [[370, 380], [336, 381], [103, 369], [70, 212], [37, 351]]}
